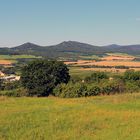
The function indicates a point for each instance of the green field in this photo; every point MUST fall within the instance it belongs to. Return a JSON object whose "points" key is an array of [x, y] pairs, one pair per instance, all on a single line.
{"points": [[98, 118], [14, 57], [90, 57], [120, 54], [74, 71]]}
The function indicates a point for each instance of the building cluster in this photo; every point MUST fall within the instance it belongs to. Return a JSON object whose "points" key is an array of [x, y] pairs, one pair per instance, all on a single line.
{"points": [[9, 78]]}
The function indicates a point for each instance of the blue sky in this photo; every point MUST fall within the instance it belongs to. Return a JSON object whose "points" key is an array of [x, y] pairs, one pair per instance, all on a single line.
{"points": [[45, 22]]}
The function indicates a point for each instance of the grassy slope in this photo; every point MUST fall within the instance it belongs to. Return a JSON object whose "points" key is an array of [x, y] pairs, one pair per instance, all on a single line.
{"points": [[99, 118]]}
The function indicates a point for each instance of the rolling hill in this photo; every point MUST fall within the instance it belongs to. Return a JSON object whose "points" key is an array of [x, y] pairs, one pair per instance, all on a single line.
{"points": [[69, 49]]}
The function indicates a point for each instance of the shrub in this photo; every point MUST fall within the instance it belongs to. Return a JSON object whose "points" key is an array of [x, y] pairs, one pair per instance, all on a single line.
{"points": [[132, 87], [70, 90], [14, 93], [93, 90], [112, 87], [11, 85], [41, 76], [131, 75], [96, 77]]}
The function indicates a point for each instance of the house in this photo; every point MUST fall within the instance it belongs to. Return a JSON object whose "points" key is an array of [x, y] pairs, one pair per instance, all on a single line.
{"points": [[10, 78], [1, 74]]}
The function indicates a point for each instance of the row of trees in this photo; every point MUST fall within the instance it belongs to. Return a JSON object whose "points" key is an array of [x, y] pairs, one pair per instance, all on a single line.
{"points": [[100, 83], [43, 77]]}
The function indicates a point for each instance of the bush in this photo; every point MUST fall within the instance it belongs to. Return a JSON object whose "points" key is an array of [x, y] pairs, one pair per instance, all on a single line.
{"points": [[93, 91], [14, 93], [11, 85], [96, 77], [70, 90], [40, 77], [132, 87], [131, 75], [112, 87]]}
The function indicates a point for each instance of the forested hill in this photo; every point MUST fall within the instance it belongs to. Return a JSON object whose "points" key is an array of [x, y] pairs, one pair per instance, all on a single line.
{"points": [[69, 48]]}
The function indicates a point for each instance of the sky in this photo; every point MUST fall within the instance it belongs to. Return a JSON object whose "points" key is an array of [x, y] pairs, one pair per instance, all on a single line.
{"points": [[49, 22]]}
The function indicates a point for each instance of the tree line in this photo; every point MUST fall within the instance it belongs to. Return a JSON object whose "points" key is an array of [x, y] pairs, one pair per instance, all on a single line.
{"points": [[45, 77]]}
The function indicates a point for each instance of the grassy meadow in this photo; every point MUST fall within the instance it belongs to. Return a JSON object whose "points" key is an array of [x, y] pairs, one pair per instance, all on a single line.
{"points": [[14, 57], [74, 71], [97, 118]]}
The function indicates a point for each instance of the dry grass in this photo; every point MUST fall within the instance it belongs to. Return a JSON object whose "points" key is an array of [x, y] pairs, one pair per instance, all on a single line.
{"points": [[102, 69], [99, 118], [106, 69], [79, 62], [122, 58], [113, 63]]}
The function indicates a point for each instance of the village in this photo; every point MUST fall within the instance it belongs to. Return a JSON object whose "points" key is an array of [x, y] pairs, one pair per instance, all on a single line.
{"points": [[8, 78]]}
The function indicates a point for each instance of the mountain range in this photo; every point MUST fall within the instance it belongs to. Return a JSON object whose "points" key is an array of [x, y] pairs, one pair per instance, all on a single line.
{"points": [[69, 49]]}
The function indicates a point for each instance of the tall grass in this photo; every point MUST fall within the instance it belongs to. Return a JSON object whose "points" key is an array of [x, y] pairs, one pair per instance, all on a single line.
{"points": [[96, 118]]}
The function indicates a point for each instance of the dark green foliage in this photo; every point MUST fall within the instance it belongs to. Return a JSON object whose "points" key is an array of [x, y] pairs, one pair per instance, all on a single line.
{"points": [[8, 70], [20, 92], [131, 75], [113, 86], [121, 67], [79, 89], [96, 77], [41, 76], [132, 87], [93, 90], [109, 89], [11, 85], [1, 84], [70, 90]]}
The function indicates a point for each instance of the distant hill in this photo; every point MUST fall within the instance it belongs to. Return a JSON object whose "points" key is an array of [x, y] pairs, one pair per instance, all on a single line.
{"points": [[112, 46], [76, 47], [70, 49], [130, 49], [27, 46]]}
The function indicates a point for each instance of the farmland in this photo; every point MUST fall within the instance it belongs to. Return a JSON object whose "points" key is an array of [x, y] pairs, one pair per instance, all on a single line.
{"points": [[14, 57], [113, 63], [116, 62], [112, 117], [99, 118], [9, 59], [5, 62]]}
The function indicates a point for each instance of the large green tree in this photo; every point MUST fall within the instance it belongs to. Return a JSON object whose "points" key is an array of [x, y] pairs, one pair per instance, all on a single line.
{"points": [[41, 76]]}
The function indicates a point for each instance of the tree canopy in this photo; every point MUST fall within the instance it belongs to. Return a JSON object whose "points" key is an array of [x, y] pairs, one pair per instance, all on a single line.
{"points": [[41, 76]]}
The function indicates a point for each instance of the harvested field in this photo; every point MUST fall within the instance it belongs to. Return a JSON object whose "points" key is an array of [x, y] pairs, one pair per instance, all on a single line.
{"points": [[79, 62], [122, 58], [113, 63], [5, 62], [107, 69], [102, 69]]}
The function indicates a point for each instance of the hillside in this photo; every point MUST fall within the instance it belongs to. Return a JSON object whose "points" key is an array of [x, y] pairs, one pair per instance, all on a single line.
{"points": [[69, 49]]}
